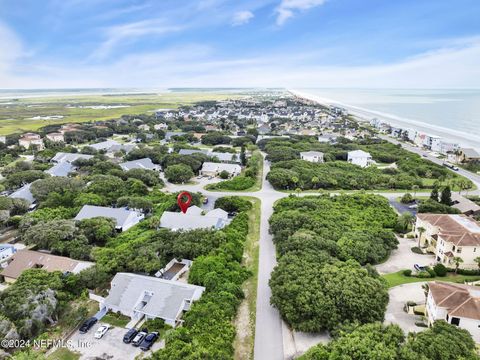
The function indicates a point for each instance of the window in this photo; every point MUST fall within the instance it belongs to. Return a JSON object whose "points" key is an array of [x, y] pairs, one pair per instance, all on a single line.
{"points": [[455, 321], [474, 249], [447, 317], [453, 248], [459, 250]]}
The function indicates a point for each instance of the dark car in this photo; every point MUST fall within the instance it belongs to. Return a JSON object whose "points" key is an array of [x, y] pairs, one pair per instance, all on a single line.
{"points": [[129, 336], [232, 214], [87, 325], [138, 339], [148, 341]]}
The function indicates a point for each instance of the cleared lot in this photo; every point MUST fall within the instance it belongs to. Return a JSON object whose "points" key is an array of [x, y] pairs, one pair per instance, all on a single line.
{"points": [[111, 346]]}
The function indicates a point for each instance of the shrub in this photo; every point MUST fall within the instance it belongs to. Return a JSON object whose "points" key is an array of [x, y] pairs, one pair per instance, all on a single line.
{"points": [[407, 198], [233, 203], [224, 174], [237, 183], [431, 272], [416, 250], [440, 270], [424, 274], [407, 272]]}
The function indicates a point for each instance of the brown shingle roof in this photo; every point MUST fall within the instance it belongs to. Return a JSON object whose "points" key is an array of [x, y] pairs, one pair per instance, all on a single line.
{"points": [[28, 259], [458, 300], [452, 230]]}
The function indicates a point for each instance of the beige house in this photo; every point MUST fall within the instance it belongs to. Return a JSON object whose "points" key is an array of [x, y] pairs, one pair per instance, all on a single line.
{"points": [[449, 236], [456, 304], [28, 259], [55, 137], [29, 140]]}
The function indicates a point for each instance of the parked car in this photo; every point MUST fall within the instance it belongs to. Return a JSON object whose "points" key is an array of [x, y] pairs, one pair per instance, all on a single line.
{"points": [[130, 335], [137, 340], [87, 325], [148, 341], [205, 200], [102, 330], [232, 214]]}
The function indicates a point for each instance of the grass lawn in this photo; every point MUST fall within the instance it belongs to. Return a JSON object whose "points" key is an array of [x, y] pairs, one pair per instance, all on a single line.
{"points": [[397, 278], [116, 319], [64, 354], [245, 321]]}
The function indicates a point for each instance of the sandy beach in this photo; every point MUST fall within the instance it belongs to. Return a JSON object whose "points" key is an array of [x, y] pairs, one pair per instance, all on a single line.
{"points": [[448, 135]]}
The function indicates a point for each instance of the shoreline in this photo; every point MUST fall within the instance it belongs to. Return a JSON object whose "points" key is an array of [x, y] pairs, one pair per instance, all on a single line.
{"points": [[449, 135]]}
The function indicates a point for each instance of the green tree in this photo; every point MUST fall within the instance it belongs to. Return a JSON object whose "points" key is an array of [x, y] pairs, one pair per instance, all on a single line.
{"points": [[457, 260], [98, 230], [446, 196], [180, 173], [434, 194]]}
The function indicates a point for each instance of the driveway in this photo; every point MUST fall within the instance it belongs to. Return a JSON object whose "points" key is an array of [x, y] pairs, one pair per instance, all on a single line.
{"points": [[111, 346], [404, 258], [399, 295]]}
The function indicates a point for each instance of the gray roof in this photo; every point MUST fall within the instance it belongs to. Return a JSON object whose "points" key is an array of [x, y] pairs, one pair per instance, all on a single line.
{"points": [[24, 193], [163, 298], [470, 153], [224, 156], [145, 163], [68, 157], [121, 215], [192, 151], [119, 147], [169, 134], [463, 204], [104, 145], [179, 221], [194, 210], [219, 167], [61, 169]]}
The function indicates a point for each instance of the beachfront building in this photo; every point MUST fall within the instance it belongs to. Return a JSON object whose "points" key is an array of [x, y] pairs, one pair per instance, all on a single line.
{"points": [[312, 156], [448, 147], [31, 140], [449, 236], [360, 158], [457, 304]]}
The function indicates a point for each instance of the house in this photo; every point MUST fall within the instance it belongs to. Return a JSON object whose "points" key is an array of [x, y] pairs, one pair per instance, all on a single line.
{"points": [[192, 151], [29, 140], [6, 251], [457, 304], [161, 126], [139, 296], [104, 145], [312, 156], [124, 218], [126, 148], [225, 157], [144, 127], [193, 219], [194, 210], [28, 259], [263, 129], [69, 157], [61, 169], [24, 193], [170, 134], [464, 205], [55, 137], [468, 154], [432, 142], [3, 139], [214, 169], [360, 158], [145, 163], [449, 236]]}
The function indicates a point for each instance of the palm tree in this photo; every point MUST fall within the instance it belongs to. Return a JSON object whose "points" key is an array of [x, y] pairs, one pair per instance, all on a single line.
{"points": [[421, 231], [457, 260]]}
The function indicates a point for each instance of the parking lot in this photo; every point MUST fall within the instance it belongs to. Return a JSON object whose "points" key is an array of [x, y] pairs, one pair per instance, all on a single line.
{"points": [[111, 346]]}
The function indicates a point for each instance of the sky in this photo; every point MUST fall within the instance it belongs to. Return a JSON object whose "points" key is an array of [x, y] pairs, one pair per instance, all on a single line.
{"points": [[240, 43]]}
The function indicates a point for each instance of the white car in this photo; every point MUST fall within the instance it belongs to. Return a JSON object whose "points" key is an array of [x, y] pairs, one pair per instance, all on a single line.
{"points": [[102, 330]]}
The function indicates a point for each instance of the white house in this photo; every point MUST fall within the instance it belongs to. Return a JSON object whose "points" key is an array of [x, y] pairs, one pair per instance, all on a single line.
{"points": [[138, 297], [161, 126], [193, 219], [214, 169], [69, 157], [6, 250], [124, 218], [457, 304], [145, 163], [312, 156], [360, 158], [449, 236]]}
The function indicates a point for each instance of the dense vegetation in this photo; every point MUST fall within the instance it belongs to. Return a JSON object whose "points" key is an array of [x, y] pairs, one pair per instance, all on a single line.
{"points": [[244, 181], [376, 341], [406, 170], [322, 242]]}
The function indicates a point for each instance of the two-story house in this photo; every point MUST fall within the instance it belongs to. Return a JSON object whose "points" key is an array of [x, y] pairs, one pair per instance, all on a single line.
{"points": [[449, 236], [457, 304]]}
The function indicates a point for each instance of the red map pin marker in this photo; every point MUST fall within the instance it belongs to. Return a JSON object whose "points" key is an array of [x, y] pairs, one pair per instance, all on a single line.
{"points": [[184, 204]]}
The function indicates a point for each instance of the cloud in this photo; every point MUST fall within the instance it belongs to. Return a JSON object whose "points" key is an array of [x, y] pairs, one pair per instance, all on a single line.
{"points": [[118, 34], [242, 17], [287, 8]]}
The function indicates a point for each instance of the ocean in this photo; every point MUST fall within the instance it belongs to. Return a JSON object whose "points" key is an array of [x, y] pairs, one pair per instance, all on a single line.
{"points": [[452, 114]]}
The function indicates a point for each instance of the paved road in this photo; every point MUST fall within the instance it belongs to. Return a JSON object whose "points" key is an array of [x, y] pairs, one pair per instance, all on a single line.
{"points": [[268, 329]]}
